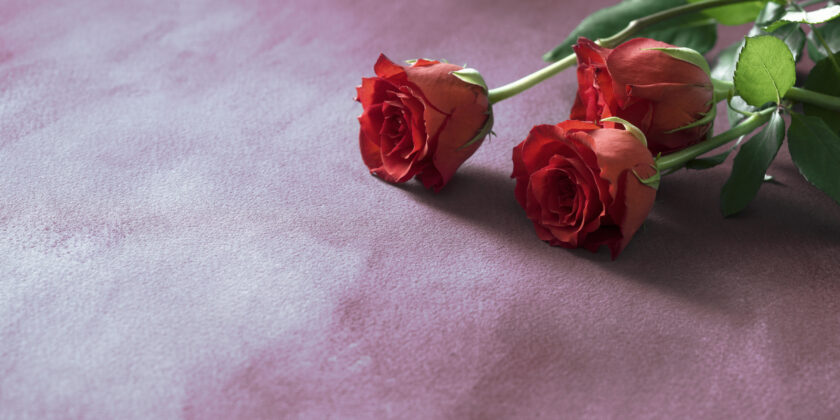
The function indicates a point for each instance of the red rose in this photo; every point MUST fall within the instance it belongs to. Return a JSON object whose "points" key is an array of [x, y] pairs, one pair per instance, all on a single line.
{"points": [[581, 184], [650, 88], [422, 120]]}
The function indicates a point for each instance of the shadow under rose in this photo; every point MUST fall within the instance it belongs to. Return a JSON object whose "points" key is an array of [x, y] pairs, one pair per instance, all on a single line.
{"points": [[481, 196], [685, 248]]}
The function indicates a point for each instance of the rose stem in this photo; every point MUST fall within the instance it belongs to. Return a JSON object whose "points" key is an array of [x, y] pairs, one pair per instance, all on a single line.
{"points": [[678, 159], [632, 28], [794, 94]]}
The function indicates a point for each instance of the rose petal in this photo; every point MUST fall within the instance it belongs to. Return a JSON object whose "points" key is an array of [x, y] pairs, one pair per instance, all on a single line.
{"points": [[634, 63], [386, 69]]}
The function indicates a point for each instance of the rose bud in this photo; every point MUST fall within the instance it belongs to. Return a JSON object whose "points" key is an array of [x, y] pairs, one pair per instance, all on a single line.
{"points": [[425, 119], [584, 186], [665, 91]]}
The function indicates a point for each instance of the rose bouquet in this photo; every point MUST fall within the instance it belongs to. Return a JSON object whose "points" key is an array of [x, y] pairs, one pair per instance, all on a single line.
{"points": [[644, 108]]}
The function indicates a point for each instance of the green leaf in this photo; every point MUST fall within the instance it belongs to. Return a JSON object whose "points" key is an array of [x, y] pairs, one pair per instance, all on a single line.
{"points": [[736, 14], [693, 31], [815, 149], [765, 70], [471, 76], [750, 165], [831, 33], [799, 16], [607, 22], [793, 36], [687, 55], [824, 78]]}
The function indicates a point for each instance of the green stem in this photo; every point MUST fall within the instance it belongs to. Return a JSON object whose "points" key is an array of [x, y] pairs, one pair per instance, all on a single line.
{"points": [[511, 89], [794, 94], [813, 98], [678, 159], [632, 28]]}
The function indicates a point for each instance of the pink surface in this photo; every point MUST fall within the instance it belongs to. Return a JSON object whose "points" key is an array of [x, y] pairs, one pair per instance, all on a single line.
{"points": [[187, 231]]}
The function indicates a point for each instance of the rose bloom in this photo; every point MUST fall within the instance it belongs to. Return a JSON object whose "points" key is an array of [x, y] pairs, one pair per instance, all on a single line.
{"points": [[417, 119], [650, 89], [577, 184]]}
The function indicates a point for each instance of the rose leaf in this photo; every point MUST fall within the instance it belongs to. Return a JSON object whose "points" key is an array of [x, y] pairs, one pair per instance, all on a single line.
{"points": [[750, 165], [800, 16], [735, 14], [831, 33], [824, 79], [765, 70], [815, 150], [608, 21]]}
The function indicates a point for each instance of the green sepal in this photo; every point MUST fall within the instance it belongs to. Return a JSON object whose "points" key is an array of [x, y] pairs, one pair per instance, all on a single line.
{"points": [[800, 16], [629, 127], [653, 180], [686, 54], [471, 76], [486, 130], [708, 117]]}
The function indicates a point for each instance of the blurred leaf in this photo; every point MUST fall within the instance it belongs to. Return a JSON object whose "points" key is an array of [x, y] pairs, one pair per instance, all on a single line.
{"points": [[699, 35], [724, 68], [815, 149], [831, 33], [736, 14], [824, 78], [812, 18], [750, 165], [765, 70], [769, 14], [607, 22]]}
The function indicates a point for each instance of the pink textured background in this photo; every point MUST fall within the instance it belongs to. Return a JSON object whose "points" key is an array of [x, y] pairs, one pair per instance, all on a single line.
{"points": [[187, 231]]}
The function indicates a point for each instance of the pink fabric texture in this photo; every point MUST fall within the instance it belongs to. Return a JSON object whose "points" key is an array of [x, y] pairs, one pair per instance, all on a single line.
{"points": [[187, 230]]}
